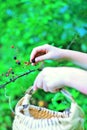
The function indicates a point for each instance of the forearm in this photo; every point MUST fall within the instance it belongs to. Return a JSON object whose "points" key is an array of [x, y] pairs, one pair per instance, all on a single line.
{"points": [[76, 78], [78, 58], [50, 52]]}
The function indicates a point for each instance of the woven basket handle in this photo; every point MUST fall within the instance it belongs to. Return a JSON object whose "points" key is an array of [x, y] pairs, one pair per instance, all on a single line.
{"points": [[67, 94]]}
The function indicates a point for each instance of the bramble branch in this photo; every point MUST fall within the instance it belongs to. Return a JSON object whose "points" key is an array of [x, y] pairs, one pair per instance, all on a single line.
{"points": [[17, 77]]}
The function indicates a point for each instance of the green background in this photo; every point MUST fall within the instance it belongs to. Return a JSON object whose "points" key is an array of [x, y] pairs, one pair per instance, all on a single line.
{"points": [[27, 24]]}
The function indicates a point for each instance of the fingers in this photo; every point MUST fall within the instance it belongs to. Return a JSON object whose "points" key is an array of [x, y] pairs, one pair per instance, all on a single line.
{"points": [[44, 87], [40, 83], [34, 52], [38, 51], [41, 58]]}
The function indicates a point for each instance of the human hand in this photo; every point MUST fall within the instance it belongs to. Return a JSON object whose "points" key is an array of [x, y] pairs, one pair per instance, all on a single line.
{"points": [[45, 52], [50, 79]]}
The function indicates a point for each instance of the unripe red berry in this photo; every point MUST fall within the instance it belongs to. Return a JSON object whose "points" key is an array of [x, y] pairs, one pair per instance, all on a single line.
{"points": [[12, 46], [26, 63], [17, 61]]}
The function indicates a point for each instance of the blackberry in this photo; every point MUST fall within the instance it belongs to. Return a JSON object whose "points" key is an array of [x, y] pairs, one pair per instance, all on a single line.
{"points": [[15, 57], [19, 63], [12, 72], [33, 61]]}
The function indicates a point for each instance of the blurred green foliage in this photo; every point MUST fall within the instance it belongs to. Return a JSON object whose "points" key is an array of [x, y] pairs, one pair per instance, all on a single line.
{"points": [[26, 24]]}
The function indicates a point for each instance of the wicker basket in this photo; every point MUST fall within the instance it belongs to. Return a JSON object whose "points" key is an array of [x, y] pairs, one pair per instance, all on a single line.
{"points": [[30, 117]]}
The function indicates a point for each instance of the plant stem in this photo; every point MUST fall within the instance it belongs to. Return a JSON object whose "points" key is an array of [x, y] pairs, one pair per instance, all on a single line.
{"points": [[17, 77]]}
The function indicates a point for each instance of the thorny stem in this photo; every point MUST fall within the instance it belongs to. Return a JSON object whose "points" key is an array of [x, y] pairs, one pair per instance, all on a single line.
{"points": [[17, 77]]}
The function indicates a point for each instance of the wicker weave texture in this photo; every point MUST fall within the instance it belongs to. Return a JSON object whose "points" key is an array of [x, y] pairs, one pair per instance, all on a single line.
{"points": [[30, 117]]}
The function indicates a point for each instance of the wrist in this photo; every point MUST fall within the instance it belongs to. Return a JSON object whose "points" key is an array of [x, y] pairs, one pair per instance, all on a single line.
{"points": [[62, 54], [71, 76], [66, 54], [62, 75], [65, 74]]}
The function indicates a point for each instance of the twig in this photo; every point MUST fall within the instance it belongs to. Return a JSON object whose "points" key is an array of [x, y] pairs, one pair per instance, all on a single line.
{"points": [[17, 77], [9, 100], [72, 42]]}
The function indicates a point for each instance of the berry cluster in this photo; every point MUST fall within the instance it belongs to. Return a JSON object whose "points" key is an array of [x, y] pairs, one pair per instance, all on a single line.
{"points": [[10, 72]]}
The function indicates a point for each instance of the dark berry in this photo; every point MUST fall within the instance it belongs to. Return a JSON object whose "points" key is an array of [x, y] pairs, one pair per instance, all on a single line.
{"points": [[10, 79], [33, 61], [12, 72], [19, 63], [15, 57]]}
